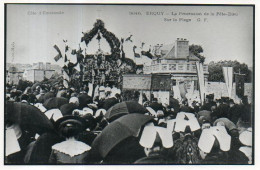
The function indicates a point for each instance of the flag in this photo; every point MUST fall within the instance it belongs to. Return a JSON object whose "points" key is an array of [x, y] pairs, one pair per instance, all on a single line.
{"points": [[240, 85], [57, 57], [134, 47], [65, 83], [66, 59], [137, 55], [200, 74], [73, 52], [90, 89], [228, 76], [66, 76], [142, 45], [66, 48], [129, 38], [183, 90]]}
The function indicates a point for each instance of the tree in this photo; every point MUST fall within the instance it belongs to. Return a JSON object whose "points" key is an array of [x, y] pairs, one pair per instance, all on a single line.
{"points": [[216, 73], [196, 50]]}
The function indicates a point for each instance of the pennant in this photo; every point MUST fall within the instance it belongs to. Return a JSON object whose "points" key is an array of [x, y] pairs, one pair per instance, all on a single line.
{"points": [[66, 59], [73, 52], [137, 55], [228, 76], [142, 45], [65, 83], [129, 38], [66, 76], [66, 48], [57, 57]]}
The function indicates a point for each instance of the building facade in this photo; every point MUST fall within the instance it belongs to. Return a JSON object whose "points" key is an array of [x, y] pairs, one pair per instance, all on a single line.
{"points": [[178, 62]]}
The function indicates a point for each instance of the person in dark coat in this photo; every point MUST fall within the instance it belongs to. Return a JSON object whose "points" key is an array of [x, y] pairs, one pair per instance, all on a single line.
{"points": [[223, 109], [174, 103], [234, 112]]}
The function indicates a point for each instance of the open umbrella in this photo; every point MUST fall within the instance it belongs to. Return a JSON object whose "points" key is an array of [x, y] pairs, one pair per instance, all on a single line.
{"points": [[42, 148], [29, 117], [84, 100], [124, 108], [55, 102], [110, 102], [120, 129]]}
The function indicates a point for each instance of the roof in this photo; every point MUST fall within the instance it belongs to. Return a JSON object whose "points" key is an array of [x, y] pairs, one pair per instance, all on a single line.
{"points": [[171, 56]]}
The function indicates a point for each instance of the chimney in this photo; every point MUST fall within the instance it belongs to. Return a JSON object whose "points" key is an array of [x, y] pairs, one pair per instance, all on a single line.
{"points": [[181, 48]]}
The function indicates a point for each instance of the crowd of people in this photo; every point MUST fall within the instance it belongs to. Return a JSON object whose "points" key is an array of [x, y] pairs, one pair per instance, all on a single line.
{"points": [[106, 125]]}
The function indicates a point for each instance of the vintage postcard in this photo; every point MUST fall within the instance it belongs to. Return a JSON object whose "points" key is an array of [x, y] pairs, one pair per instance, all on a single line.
{"points": [[129, 84]]}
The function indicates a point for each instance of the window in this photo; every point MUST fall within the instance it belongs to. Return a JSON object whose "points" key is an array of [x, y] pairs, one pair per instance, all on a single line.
{"points": [[188, 66], [194, 67], [172, 67]]}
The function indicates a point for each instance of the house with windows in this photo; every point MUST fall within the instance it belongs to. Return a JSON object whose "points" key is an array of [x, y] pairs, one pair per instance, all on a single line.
{"points": [[178, 62]]}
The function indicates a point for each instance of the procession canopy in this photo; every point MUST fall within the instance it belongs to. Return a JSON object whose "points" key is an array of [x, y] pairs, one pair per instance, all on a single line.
{"points": [[112, 40]]}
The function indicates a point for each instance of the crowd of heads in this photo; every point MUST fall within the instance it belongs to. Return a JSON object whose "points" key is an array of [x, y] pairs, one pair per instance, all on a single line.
{"points": [[217, 131]]}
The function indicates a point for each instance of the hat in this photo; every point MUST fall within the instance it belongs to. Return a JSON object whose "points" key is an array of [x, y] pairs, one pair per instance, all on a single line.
{"points": [[246, 137], [87, 110], [74, 100], [107, 89], [71, 120], [54, 114], [99, 111], [101, 88], [208, 137], [155, 134]]}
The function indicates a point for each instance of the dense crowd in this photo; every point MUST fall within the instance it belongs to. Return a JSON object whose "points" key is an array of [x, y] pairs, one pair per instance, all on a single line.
{"points": [[104, 125]]}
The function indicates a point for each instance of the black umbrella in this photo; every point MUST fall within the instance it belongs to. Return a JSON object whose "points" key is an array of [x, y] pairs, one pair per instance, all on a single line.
{"points": [[68, 108], [28, 117], [120, 129], [42, 148], [108, 103], [84, 100], [55, 102], [124, 108]]}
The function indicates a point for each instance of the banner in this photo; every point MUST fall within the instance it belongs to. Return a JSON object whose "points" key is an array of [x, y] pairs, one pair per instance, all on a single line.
{"points": [[183, 90], [200, 74], [240, 85], [228, 75]]}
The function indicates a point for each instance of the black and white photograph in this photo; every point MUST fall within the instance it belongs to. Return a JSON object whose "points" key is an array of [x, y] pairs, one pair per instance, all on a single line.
{"points": [[129, 84]]}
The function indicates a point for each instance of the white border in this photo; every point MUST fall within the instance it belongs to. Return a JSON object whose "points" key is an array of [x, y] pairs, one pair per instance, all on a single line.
{"points": [[175, 167]]}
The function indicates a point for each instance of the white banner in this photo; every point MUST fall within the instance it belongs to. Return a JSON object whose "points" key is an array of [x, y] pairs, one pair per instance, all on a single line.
{"points": [[200, 74], [228, 75]]}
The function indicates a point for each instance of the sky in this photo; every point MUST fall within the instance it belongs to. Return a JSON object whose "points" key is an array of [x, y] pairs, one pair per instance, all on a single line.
{"points": [[31, 36]]}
